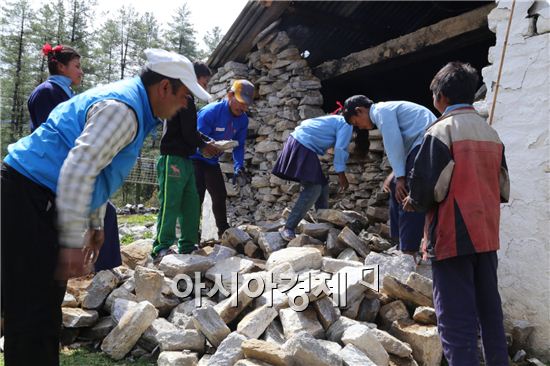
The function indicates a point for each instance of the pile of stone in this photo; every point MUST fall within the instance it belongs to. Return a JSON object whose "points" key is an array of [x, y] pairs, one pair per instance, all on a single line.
{"points": [[286, 93], [313, 316], [329, 304]]}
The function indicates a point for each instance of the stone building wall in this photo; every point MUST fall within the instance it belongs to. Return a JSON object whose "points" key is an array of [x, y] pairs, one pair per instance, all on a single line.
{"points": [[522, 121], [287, 93]]}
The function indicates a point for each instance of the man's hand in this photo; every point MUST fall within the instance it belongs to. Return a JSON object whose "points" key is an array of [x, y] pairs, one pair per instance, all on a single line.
{"points": [[400, 189], [93, 241], [342, 182], [241, 177], [407, 204], [387, 182], [210, 150], [71, 264]]}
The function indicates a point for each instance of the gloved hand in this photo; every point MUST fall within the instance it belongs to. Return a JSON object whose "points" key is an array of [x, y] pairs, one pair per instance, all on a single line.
{"points": [[241, 177]]}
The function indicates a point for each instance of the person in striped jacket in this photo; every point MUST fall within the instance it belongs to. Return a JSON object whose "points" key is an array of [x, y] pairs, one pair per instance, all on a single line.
{"points": [[459, 179]]}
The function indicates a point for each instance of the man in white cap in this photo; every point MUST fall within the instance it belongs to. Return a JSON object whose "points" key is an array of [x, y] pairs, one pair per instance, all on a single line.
{"points": [[55, 183]]}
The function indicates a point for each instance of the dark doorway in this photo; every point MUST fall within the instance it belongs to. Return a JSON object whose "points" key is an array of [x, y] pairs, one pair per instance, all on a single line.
{"points": [[409, 77]]}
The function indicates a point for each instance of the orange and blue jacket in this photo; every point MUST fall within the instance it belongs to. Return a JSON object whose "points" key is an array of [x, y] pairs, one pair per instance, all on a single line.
{"points": [[459, 179]]}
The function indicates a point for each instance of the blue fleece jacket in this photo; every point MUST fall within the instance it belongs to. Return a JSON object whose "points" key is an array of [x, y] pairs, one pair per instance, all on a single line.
{"points": [[402, 125], [320, 133], [218, 123]]}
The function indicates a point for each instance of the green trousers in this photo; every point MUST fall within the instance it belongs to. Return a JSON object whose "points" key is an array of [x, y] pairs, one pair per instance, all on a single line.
{"points": [[179, 201]]}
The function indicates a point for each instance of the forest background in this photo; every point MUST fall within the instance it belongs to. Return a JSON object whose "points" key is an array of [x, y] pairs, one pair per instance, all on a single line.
{"points": [[111, 44]]}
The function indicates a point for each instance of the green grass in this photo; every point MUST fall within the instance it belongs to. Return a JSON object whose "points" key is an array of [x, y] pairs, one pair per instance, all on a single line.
{"points": [[147, 219], [127, 239], [84, 357]]}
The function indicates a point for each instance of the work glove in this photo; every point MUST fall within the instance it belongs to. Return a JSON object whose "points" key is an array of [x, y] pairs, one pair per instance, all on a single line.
{"points": [[241, 177]]}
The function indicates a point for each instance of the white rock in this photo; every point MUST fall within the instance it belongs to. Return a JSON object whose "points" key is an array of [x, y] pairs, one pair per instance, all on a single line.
{"points": [[229, 351], [78, 318], [103, 283], [211, 325], [168, 358], [255, 322], [228, 269], [131, 326], [423, 339], [149, 285], [353, 356], [174, 264], [120, 307], [69, 301], [294, 322], [397, 265], [298, 258], [306, 350], [361, 337]]}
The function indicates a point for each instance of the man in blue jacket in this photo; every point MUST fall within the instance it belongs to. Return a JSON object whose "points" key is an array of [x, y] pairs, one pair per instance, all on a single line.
{"points": [[223, 120], [55, 183]]}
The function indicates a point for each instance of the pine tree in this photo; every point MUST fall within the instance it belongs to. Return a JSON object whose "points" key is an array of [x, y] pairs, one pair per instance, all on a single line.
{"points": [[212, 38], [107, 51], [46, 26], [14, 63], [181, 35], [127, 17], [79, 18], [144, 34]]}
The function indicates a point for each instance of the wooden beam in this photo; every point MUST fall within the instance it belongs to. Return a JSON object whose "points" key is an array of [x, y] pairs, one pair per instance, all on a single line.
{"points": [[424, 37]]}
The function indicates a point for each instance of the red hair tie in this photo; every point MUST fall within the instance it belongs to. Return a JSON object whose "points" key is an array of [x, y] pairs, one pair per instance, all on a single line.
{"points": [[340, 107], [46, 49]]}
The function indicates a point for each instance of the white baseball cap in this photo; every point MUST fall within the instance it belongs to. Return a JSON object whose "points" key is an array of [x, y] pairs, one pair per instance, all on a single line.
{"points": [[175, 66]]}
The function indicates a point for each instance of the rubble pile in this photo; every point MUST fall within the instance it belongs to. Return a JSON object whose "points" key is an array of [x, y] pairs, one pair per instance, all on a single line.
{"points": [[214, 306], [288, 92], [138, 310]]}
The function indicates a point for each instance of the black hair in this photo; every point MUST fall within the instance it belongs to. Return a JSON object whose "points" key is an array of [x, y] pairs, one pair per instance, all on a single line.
{"points": [[149, 77], [58, 54], [457, 81], [362, 143], [353, 102], [201, 69]]}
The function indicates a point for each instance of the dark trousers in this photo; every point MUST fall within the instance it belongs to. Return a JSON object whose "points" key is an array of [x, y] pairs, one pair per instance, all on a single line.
{"points": [[466, 301], [31, 298], [408, 227], [109, 254], [209, 177]]}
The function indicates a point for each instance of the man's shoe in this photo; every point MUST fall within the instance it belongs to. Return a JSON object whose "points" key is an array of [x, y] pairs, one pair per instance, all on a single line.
{"points": [[163, 252], [189, 250], [287, 234]]}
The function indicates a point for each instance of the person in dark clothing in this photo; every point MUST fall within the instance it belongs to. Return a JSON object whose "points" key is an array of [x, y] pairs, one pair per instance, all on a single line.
{"points": [[460, 178], [65, 71], [178, 197]]}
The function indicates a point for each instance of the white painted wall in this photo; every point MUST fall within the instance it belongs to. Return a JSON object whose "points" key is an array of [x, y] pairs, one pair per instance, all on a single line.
{"points": [[522, 119]]}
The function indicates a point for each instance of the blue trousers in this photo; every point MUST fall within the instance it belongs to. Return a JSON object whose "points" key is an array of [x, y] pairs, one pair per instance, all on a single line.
{"points": [[408, 227], [467, 301], [311, 194]]}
